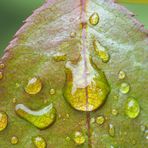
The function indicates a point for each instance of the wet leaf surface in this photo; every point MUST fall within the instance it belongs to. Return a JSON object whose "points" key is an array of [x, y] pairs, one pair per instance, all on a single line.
{"points": [[59, 57]]}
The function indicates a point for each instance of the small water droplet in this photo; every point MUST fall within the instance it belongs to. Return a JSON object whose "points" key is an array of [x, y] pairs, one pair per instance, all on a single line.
{"points": [[14, 140], [39, 142], [41, 118], [111, 130], [68, 139], [1, 75], [146, 134], [100, 120], [2, 65], [124, 88], [3, 120], [142, 128], [34, 86], [101, 51], [59, 57], [67, 115], [52, 91], [92, 120], [14, 100], [94, 19], [114, 112], [133, 142], [73, 34], [132, 108], [79, 138], [121, 75]]}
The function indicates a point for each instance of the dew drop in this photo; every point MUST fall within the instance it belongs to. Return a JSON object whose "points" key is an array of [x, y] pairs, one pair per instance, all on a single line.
{"points": [[52, 91], [92, 120], [14, 100], [142, 128], [39, 142], [79, 81], [146, 134], [124, 88], [1, 75], [41, 118], [73, 34], [34, 86], [94, 19], [79, 138], [114, 112], [101, 51], [111, 130], [121, 75], [68, 138], [132, 108], [14, 140], [3, 120], [2, 65], [100, 120]]}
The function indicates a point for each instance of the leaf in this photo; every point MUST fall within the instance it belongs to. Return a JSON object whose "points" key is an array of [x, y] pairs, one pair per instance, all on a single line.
{"points": [[59, 46]]}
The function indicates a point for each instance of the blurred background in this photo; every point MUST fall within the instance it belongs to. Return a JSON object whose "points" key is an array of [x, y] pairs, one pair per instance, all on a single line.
{"points": [[13, 12]]}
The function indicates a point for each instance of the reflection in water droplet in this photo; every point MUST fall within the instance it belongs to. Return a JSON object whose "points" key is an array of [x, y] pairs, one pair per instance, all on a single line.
{"points": [[124, 88], [52, 91], [94, 19], [68, 139], [111, 130], [132, 108], [114, 112], [1, 75], [41, 118], [121, 75], [34, 86], [85, 90], [101, 51], [14, 140], [100, 120], [73, 34], [39, 142], [79, 138], [3, 120], [59, 57], [2, 65]]}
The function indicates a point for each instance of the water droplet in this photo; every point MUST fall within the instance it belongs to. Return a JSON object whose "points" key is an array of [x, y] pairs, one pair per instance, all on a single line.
{"points": [[14, 140], [3, 120], [1, 75], [94, 19], [67, 115], [79, 138], [146, 134], [124, 88], [121, 75], [114, 112], [73, 34], [92, 120], [41, 118], [132, 108], [85, 90], [2, 65], [133, 142], [59, 57], [142, 128], [111, 130], [68, 139], [52, 91], [14, 100], [39, 142], [100, 120], [34, 86], [101, 51]]}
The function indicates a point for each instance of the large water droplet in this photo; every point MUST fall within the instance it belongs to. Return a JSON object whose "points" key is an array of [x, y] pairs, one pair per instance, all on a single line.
{"points": [[3, 120], [132, 108], [41, 118], [111, 130], [79, 138], [39, 142], [121, 75], [101, 51], [94, 19], [1, 75], [85, 90], [14, 140], [124, 88], [100, 120], [34, 86]]}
